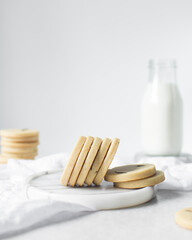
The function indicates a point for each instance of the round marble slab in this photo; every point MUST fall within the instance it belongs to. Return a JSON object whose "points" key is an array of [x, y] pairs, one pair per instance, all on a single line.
{"points": [[46, 185]]}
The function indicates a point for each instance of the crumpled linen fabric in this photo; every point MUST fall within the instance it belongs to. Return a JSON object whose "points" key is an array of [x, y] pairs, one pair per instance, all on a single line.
{"points": [[17, 213]]}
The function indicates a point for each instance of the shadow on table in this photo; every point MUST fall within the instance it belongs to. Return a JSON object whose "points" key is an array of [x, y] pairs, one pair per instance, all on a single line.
{"points": [[161, 196], [164, 194], [58, 218]]}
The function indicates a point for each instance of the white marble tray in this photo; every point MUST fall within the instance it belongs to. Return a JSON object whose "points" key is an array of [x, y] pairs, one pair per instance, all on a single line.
{"points": [[45, 185]]}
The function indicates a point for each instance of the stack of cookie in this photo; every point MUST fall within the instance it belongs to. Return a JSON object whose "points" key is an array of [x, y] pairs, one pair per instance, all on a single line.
{"points": [[134, 176], [18, 144], [89, 161]]}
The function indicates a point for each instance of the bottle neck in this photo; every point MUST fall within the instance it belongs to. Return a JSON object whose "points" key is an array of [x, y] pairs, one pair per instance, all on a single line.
{"points": [[162, 71], [162, 75]]}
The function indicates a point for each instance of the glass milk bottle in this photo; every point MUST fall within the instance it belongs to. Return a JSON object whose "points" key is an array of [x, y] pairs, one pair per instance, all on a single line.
{"points": [[161, 120]]}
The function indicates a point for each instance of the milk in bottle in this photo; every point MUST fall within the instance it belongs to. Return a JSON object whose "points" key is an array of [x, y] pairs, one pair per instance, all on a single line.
{"points": [[161, 119]]}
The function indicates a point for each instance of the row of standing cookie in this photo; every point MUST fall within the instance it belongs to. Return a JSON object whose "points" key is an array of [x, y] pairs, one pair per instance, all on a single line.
{"points": [[89, 161]]}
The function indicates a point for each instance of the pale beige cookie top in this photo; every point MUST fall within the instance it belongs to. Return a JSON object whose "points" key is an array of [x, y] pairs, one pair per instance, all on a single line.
{"points": [[130, 172], [34, 139], [19, 133], [146, 182], [184, 218], [107, 161], [98, 161], [88, 161], [19, 145], [72, 161], [80, 161]]}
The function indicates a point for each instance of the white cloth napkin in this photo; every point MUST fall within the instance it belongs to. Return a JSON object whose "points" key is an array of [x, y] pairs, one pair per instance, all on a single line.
{"points": [[17, 214]]}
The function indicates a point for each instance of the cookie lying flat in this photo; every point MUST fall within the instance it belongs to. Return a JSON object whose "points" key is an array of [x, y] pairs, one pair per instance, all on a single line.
{"points": [[130, 172], [6, 158], [20, 140], [151, 181], [107, 161], [80, 161], [19, 150], [19, 155], [18, 133], [98, 161], [184, 218], [3, 160], [19, 145], [72, 161], [89, 160]]}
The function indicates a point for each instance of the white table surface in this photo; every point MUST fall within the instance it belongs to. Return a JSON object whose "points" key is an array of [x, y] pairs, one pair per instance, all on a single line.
{"points": [[153, 220]]}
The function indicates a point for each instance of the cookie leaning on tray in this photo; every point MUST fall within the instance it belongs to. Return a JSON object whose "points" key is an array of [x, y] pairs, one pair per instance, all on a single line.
{"points": [[89, 161], [89, 164]]}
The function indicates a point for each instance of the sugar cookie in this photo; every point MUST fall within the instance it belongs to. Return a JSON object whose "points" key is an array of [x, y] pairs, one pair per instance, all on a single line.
{"points": [[88, 161], [146, 182], [34, 139], [19, 155], [184, 218], [130, 172], [72, 161], [80, 161], [107, 161], [98, 161], [19, 150], [19, 145], [18, 133], [3, 160]]}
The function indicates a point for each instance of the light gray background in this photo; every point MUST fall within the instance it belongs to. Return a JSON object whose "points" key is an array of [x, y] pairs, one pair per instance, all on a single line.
{"points": [[71, 68]]}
